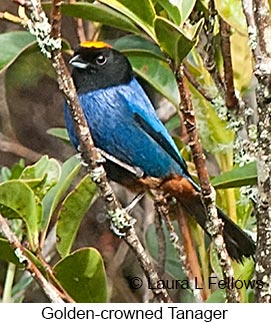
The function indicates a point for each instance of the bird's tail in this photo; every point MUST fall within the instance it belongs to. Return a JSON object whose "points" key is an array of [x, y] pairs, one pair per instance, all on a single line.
{"points": [[238, 243]]}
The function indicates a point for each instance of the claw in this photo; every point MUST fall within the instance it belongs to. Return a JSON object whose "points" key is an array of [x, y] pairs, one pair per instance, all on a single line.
{"points": [[133, 203]]}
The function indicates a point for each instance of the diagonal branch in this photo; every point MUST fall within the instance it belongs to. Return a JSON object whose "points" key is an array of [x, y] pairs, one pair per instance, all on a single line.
{"points": [[214, 225], [50, 290]]}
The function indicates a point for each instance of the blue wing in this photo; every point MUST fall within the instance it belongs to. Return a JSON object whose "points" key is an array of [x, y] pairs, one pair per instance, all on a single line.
{"points": [[124, 124], [146, 117]]}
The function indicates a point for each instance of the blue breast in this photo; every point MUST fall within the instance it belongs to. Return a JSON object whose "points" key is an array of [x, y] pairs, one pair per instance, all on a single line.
{"points": [[123, 123]]}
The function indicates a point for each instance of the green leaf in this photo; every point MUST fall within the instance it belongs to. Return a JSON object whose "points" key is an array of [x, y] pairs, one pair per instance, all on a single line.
{"points": [[18, 197], [69, 170], [82, 275], [138, 45], [187, 7], [238, 176], [5, 174], [172, 9], [158, 74], [22, 74], [142, 15], [242, 61], [42, 175], [18, 290], [12, 45], [173, 123], [13, 173], [215, 136], [177, 10], [197, 68], [41, 167], [232, 12], [244, 270], [60, 133], [172, 40], [7, 253], [72, 210], [100, 13]]}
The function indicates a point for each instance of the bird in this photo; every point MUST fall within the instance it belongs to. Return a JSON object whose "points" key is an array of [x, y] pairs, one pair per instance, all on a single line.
{"points": [[138, 150]]}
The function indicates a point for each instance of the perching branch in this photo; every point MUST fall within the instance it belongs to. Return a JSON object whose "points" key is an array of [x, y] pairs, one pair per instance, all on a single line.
{"points": [[49, 40], [214, 225], [50, 290], [258, 20]]}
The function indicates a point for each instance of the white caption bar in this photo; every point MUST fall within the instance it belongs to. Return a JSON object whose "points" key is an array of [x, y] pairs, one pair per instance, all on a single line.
{"points": [[113, 312]]}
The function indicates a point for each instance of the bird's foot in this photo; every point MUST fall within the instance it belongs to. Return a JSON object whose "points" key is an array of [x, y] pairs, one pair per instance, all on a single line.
{"points": [[134, 202], [134, 170]]}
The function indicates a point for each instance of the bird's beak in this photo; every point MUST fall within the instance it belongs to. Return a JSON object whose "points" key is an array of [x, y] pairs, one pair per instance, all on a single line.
{"points": [[78, 62]]}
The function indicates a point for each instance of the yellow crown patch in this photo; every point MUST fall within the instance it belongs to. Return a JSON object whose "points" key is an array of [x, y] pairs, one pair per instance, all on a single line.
{"points": [[95, 44]]}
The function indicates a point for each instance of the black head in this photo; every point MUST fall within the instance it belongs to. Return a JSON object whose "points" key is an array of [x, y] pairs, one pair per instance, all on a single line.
{"points": [[97, 66]]}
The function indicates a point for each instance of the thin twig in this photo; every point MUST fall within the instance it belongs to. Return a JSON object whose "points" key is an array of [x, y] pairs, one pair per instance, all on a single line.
{"points": [[80, 31], [214, 225], [258, 20], [162, 209], [50, 290], [231, 99], [210, 61], [10, 146], [197, 85]]}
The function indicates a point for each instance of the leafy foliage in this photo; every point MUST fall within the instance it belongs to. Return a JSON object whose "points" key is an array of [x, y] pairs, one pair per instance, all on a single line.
{"points": [[12, 44], [33, 198], [73, 208], [48, 193], [85, 283]]}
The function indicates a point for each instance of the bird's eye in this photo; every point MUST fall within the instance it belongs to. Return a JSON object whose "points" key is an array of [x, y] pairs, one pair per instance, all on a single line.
{"points": [[101, 60]]}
